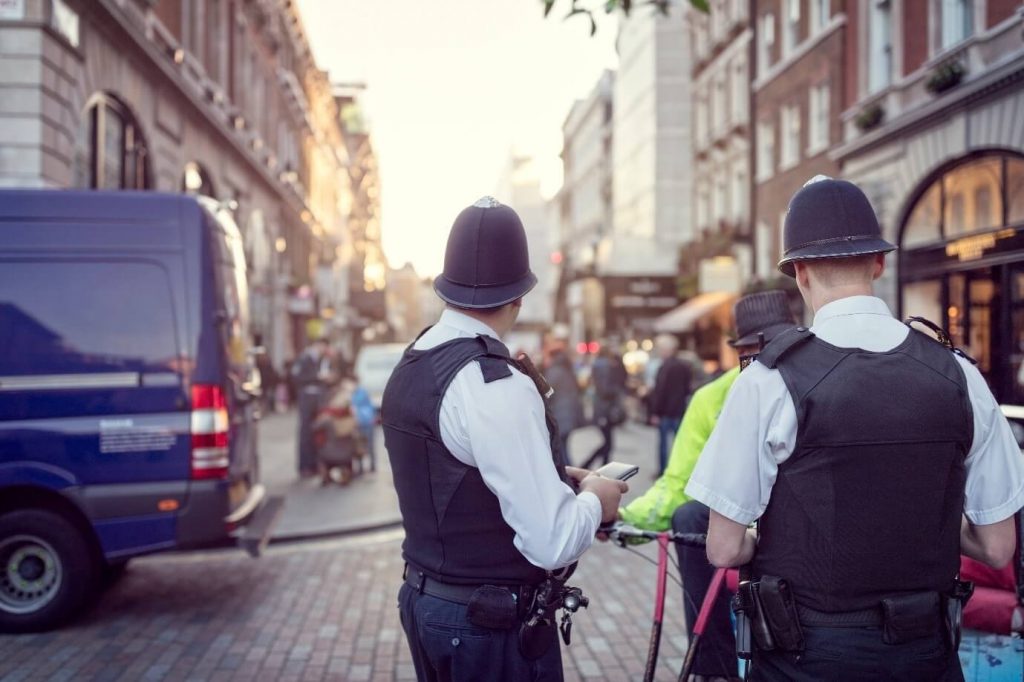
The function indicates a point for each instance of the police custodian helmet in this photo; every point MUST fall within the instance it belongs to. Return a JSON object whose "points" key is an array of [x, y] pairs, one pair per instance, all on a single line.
{"points": [[486, 263], [829, 218]]}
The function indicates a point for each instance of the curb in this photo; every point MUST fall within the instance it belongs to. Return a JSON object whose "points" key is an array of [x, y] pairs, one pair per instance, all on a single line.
{"points": [[331, 534]]}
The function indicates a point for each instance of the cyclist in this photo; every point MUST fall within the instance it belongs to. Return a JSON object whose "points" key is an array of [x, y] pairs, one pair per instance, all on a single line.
{"points": [[666, 504]]}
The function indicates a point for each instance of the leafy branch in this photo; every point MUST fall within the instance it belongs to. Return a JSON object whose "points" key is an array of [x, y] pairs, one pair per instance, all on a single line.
{"points": [[588, 9]]}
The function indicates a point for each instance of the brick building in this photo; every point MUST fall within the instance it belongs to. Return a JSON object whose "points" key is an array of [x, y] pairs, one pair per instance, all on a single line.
{"points": [[933, 130], [220, 97], [798, 91]]}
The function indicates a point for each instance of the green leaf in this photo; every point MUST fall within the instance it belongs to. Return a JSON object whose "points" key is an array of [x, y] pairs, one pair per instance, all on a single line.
{"points": [[610, 6], [701, 5], [548, 4]]}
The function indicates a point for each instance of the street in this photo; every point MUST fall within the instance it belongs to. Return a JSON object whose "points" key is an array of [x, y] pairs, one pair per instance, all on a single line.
{"points": [[326, 610]]}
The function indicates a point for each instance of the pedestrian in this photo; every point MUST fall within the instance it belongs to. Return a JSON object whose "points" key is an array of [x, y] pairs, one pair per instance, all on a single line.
{"points": [[566, 405], [486, 501], [608, 380], [309, 373], [672, 387], [366, 414], [871, 456], [665, 505]]}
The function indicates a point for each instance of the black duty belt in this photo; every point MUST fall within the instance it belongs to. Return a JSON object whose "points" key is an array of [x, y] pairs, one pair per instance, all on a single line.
{"points": [[861, 618], [459, 594]]}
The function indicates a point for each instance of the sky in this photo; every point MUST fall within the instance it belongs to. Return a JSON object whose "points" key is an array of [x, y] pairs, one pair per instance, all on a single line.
{"points": [[453, 87]]}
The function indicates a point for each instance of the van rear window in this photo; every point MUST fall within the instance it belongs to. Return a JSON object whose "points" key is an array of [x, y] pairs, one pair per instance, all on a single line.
{"points": [[70, 317]]}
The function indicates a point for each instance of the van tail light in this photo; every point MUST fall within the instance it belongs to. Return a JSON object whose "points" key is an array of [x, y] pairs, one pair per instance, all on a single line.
{"points": [[209, 432]]}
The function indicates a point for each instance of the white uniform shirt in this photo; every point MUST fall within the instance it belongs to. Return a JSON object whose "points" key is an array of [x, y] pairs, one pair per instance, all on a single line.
{"points": [[499, 428], [757, 428]]}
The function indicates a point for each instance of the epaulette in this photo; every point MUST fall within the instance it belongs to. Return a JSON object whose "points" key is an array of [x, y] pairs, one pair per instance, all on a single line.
{"points": [[782, 344], [941, 336], [495, 364]]}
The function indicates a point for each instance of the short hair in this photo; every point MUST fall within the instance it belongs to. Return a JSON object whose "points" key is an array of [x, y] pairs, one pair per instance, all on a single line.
{"points": [[479, 311], [833, 272]]}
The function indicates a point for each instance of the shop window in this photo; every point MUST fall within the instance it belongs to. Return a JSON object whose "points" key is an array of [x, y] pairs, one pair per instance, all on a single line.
{"points": [[925, 223], [924, 299], [110, 149], [973, 197], [1015, 191]]}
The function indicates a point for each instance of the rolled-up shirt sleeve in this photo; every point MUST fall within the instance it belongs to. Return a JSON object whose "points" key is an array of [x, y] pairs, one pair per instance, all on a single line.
{"points": [[499, 428], [755, 432], [995, 466]]}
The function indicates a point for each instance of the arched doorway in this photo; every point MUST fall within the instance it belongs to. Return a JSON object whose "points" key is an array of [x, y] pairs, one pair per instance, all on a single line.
{"points": [[111, 151], [961, 262]]}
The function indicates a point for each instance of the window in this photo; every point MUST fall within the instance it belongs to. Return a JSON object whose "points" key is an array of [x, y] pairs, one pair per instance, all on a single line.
{"points": [[818, 119], [1015, 190], [924, 224], [702, 121], [766, 41], [955, 21], [740, 91], [879, 45], [718, 113], [765, 150], [110, 151], [790, 27], [739, 192], [821, 13], [48, 329], [719, 199], [703, 209], [790, 152]]}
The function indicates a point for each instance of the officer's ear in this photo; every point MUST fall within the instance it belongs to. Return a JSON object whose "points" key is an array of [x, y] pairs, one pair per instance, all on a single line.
{"points": [[518, 303], [879, 266], [801, 274]]}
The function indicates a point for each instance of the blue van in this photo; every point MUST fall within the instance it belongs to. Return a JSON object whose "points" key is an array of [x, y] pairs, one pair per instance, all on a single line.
{"points": [[128, 393]]}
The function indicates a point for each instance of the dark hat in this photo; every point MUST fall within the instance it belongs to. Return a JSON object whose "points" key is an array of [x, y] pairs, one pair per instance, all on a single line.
{"points": [[766, 312], [487, 263], [829, 219]]}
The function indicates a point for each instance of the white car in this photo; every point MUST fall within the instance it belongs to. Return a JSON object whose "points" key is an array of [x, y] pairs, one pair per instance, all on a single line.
{"points": [[374, 365]]}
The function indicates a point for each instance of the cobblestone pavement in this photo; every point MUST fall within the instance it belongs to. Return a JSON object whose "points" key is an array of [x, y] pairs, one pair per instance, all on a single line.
{"points": [[313, 611]]}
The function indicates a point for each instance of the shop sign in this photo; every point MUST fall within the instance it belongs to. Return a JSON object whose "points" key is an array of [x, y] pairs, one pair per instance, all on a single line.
{"points": [[974, 247]]}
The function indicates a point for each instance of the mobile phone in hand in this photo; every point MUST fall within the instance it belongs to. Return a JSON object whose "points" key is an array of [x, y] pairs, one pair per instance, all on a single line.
{"points": [[617, 470]]}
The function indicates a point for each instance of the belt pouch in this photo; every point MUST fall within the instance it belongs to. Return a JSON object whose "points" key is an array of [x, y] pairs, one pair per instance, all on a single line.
{"points": [[779, 610], [493, 608], [910, 617], [748, 603]]}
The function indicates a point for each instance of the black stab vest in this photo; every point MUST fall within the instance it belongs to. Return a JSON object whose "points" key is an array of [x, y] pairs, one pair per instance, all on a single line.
{"points": [[869, 504], [454, 530]]}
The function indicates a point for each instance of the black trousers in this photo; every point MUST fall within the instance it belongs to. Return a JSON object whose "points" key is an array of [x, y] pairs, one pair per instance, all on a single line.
{"points": [[854, 654], [604, 450], [447, 648], [716, 654]]}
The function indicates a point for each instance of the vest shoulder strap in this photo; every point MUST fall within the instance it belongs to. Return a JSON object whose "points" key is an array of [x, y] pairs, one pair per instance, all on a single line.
{"points": [[495, 360], [943, 337], [782, 344]]}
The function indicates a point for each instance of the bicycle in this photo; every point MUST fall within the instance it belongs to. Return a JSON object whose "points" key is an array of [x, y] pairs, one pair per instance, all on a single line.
{"points": [[621, 534]]}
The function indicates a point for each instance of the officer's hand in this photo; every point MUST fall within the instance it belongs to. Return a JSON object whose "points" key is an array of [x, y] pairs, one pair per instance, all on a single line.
{"points": [[608, 491], [576, 474], [603, 536]]}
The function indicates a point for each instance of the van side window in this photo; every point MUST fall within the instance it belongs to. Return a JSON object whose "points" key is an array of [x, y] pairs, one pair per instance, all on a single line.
{"points": [[68, 317], [231, 279]]}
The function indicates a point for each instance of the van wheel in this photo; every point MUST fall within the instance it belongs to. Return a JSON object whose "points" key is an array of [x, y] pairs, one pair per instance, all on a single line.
{"points": [[47, 570]]}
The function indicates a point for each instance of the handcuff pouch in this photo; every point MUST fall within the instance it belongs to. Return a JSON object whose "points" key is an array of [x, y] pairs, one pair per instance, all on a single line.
{"points": [[910, 617], [492, 608], [779, 609]]}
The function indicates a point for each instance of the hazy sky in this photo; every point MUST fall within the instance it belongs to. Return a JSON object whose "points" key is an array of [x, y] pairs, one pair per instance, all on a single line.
{"points": [[453, 87]]}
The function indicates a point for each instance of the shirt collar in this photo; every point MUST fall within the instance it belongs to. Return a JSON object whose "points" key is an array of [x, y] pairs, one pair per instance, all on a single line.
{"points": [[466, 324], [851, 305]]}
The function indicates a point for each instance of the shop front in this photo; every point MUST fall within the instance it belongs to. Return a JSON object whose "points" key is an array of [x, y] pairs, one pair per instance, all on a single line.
{"points": [[961, 262]]}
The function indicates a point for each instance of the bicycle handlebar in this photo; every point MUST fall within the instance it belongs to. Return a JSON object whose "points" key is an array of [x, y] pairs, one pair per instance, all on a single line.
{"points": [[621, 532]]}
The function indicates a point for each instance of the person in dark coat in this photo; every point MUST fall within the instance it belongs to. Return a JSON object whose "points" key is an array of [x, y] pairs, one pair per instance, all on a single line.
{"points": [[671, 392], [608, 377], [309, 374], [565, 403]]}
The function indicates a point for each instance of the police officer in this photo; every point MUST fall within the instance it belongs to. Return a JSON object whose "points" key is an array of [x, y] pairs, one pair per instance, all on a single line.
{"points": [[487, 509], [872, 456]]}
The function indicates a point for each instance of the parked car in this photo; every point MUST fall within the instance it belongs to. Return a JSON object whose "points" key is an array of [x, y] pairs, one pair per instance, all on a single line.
{"points": [[128, 396], [374, 366]]}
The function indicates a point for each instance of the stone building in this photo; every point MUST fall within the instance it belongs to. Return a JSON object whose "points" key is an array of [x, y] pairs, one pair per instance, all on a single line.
{"points": [[219, 97]]}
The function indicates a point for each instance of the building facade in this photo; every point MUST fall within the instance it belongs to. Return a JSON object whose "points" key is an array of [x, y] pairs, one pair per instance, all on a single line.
{"points": [[798, 88], [933, 131], [585, 211], [219, 97], [652, 174]]}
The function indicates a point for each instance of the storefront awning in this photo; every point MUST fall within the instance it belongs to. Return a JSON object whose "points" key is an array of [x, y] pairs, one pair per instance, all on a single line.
{"points": [[682, 319]]}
